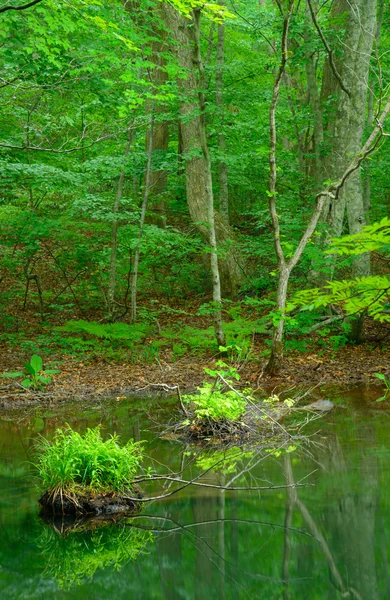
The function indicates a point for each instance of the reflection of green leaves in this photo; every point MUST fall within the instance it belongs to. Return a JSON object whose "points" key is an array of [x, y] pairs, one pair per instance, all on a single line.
{"points": [[76, 557], [224, 461]]}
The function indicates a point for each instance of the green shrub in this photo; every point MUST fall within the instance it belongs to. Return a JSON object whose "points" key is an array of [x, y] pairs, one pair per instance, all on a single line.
{"points": [[75, 462], [213, 402]]}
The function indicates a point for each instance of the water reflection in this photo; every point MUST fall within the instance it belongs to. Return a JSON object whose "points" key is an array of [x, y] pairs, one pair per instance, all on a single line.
{"points": [[330, 541]]}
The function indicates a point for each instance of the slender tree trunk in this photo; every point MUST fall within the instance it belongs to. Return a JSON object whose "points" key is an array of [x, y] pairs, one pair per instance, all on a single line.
{"points": [[134, 281], [196, 168], [158, 176], [115, 226], [217, 297], [276, 359], [222, 166]]}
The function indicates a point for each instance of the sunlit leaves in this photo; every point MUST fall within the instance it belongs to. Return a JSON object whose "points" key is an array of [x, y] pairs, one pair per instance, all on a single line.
{"points": [[212, 10], [371, 237]]}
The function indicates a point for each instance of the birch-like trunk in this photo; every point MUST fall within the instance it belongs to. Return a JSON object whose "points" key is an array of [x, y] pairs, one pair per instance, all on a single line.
{"points": [[114, 231], [217, 297], [134, 280]]}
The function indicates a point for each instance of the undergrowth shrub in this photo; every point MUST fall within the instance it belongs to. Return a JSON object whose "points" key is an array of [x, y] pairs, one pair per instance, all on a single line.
{"points": [[75, 462], [213, 402], [110, 331]]}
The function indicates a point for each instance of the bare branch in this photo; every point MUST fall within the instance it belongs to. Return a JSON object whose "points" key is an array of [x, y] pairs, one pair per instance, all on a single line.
{"points": [[4, 9], [55, 150], [328, 49]]}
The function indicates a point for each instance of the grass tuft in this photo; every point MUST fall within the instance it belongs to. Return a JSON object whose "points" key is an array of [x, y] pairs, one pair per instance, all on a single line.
{"points": [[75, 462]]}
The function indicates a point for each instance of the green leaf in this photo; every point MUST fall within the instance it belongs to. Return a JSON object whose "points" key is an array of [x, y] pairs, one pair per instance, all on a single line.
{"points": [[36, 363], [29, 369], [26, 383], [12, 375], [380, 376]]}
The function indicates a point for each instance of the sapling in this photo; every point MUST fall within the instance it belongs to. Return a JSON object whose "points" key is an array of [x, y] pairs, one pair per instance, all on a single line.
{"points": [[35, 376]]}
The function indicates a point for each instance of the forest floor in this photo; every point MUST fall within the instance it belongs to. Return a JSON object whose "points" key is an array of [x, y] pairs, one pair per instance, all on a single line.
{"points": [[97, 377]]}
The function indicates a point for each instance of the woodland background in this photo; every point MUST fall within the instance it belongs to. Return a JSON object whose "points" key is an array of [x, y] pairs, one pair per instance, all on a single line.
{"points": [[180, 177]]}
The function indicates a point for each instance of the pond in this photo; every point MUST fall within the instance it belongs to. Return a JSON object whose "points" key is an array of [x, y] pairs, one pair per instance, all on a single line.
{"points": [[330, 540]]}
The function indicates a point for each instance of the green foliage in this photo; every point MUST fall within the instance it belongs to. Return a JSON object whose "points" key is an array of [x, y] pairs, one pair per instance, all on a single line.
{"points": [[386, 383], [111, 331], [224, 461], [370, 294], [35, 376], [238, 332], [75, 558], [372, 237], [75, 462], [212, 402]]}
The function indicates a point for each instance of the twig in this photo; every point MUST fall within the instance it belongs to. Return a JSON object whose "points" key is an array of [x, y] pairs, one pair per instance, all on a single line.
{"points": [[328, 49]]}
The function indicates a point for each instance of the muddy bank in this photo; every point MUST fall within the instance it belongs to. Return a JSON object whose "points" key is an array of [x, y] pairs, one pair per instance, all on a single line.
{"points": [[96, 380]]}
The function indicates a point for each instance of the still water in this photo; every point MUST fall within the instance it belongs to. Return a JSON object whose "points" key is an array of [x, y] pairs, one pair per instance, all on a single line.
{"points": [[327, 541]]}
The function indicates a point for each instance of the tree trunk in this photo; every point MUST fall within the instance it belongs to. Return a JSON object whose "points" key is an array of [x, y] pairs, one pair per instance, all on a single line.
{"points": [[217, 298], [158, 176], [230, 264], [114, 231], [344, 88], [134, 280], [370, 116], [222, 166], [276, 359]]}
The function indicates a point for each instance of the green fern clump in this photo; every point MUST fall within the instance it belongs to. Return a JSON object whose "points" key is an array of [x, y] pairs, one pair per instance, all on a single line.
{"points": [[74, 462]]}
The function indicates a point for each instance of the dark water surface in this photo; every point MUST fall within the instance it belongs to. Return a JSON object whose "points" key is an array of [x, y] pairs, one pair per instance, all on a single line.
{"points": [[329, 541]]}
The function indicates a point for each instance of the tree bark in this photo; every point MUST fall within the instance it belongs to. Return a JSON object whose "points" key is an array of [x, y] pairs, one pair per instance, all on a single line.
{"points": [[217, 298], [158, 176], [222, 166], [196, 168]]}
